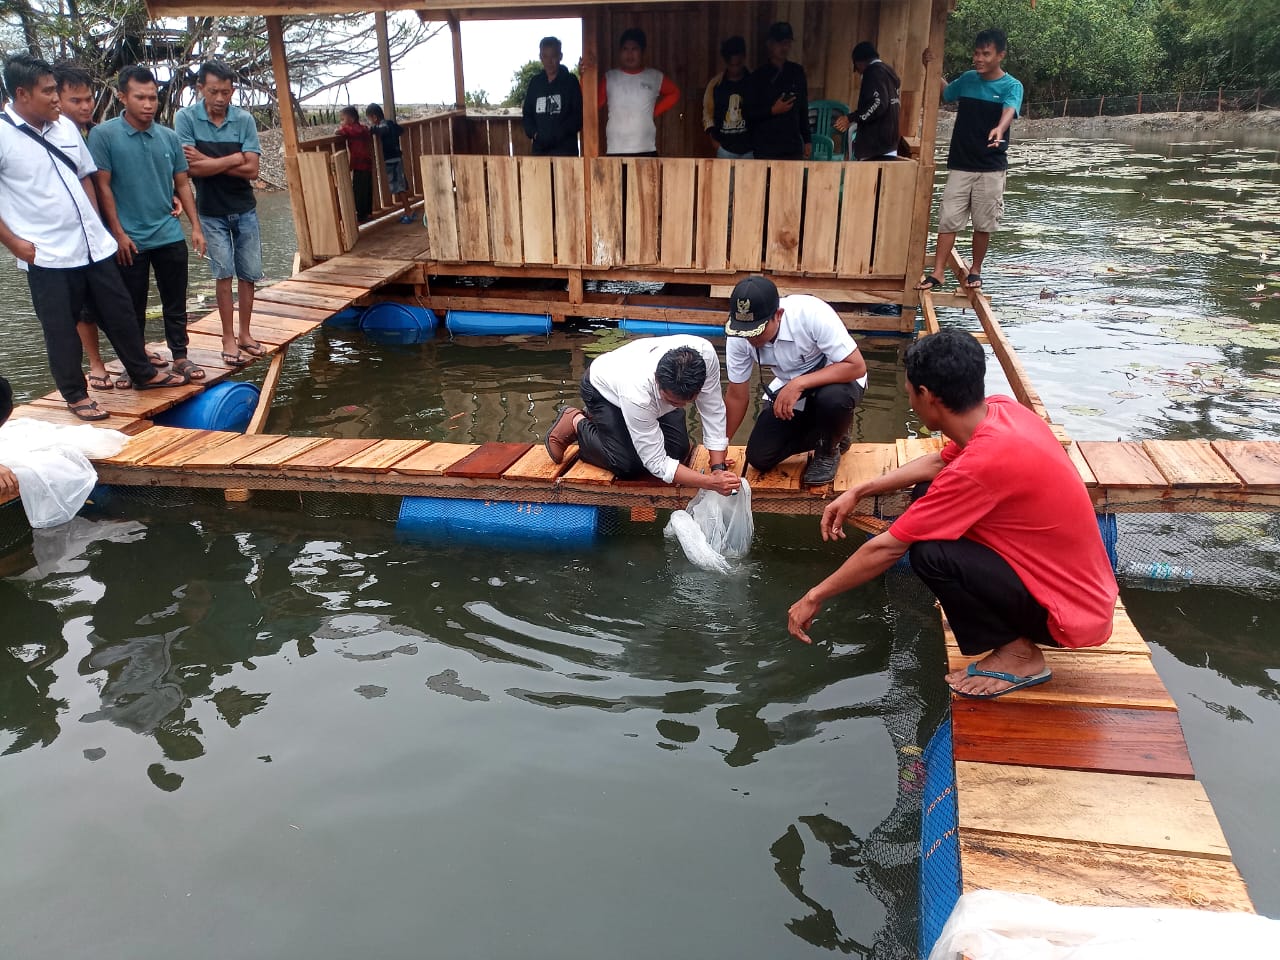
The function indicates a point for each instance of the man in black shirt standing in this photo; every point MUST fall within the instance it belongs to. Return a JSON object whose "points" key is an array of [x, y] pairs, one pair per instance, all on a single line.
{"points": [[724, 104], [875, 118], [778, 107], [553, 105]]}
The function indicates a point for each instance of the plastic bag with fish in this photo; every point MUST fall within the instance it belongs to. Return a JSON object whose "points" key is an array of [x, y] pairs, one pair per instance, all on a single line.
{"points": [[715, 529]]}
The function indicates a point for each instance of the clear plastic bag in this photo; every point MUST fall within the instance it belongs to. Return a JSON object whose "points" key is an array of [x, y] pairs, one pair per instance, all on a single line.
{"points": [[52, 466], [715, 529]]}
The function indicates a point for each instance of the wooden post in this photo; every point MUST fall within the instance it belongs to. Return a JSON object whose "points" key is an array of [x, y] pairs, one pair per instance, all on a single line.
{"points": [[1257, 99], [459, 83], [1101, 101], [1064, 106], [1178, 108], [384, 63], [931, 98], [1219, 99], [265, 398], [289, 128], [589, 77], [1139, 101]]}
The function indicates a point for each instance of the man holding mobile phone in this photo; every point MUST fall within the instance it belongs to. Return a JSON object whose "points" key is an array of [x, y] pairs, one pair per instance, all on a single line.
{"points": [[778, 102]]}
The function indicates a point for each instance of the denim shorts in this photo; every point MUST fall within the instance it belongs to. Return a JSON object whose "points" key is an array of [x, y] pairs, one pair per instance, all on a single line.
{"points": [[235, 246], [395, 175]]}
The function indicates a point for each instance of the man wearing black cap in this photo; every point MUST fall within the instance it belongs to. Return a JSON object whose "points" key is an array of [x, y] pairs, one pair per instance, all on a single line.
{"points": [[778, 104], [875, 118], [819, 376]]}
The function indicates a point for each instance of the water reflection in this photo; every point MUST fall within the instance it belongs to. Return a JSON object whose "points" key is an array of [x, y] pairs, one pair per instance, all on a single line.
{"points": [[28, 711]]}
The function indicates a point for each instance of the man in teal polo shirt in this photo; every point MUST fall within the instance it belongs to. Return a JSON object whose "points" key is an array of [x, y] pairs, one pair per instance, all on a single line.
{"points": [[220, 142], [141, 168]]}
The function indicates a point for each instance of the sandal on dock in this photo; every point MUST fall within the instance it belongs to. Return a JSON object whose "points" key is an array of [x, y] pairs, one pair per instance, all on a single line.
{"points": [[973, 281], [929, 283], [253, 348], [156, 359], [236, 359], [100, 383], [189, 369], [170, 380], [88, 410], [1018, 683]]}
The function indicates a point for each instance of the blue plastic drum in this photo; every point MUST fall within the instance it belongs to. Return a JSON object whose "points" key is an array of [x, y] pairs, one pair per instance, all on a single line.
{"points": [[475, 323], [498, 522], [223, 406], [389, 322]]}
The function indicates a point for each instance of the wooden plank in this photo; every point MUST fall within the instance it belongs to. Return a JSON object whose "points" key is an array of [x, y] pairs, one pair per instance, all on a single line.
{"points": [[267, 395], [571, 223], [786, 198], [313, 315], [320, 301], [893, 224], [1158, 814], [380, 457], [537, 224], [821, 218], [197, 443], [504, 209], [433, 460], [607, 247], [857, 219], [488, 462], [1121, 465], [148, 442], [748, 205], [225, 454], [329, 454], [348, 220], [1098, 875], [1070, 738], [863, 462], [278, 453], [321, 202], [679, 206], [439, 207], [1257, 464], [1121, 680], [536, 464], [587, 474], [643, 197], [130, 403], [785, 476], [912, 448], [1079, 462], [1124, 640], [1190, 463], [345, 291], [712, 241]]}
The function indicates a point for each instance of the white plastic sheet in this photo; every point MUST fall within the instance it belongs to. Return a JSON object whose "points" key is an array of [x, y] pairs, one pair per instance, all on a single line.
{"points": [[51, 463], [989, 925], [715, 529]]}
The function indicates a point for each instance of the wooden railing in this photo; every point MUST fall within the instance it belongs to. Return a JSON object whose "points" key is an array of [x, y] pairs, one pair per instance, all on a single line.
{"points": [[841, 220]]}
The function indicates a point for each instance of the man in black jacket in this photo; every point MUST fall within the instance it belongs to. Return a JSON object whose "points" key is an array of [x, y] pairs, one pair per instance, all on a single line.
{"points": [[875, 118], [778, 106], [553, 105]]}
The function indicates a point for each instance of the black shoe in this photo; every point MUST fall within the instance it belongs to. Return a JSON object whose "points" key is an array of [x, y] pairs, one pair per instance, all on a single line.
{"points": [[845, 443], [821, 469]]}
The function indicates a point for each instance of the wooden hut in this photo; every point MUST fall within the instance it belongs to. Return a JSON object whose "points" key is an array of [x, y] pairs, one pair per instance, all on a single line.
{"points": [[854, 233]]}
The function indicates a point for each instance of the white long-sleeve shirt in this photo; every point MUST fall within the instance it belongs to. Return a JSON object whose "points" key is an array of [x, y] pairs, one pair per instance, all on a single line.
{"points": [[626, 378]]}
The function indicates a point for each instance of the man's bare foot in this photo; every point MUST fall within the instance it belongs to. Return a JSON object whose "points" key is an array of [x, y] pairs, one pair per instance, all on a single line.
{"points": [[1021, 658]]}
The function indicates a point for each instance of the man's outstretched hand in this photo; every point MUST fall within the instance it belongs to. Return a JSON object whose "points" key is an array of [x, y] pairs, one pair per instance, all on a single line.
{"points": [[800, 617], [834, 515]]}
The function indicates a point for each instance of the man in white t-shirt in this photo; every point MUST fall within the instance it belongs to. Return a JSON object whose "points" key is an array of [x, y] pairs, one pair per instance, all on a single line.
{"points": [[634, 421], [818, 377], [636, 96]]}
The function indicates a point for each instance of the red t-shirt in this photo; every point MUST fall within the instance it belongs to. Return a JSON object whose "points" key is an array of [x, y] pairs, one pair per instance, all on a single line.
{"points": [[359, 145], [1014, 489]]}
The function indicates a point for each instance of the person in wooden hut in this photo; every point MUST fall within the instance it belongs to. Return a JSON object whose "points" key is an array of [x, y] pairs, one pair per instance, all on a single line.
{"points": [[819, 377], [724, 104], [875, 119], [636, 96], [1003, 533], [988, 100], [634, 420], [50, 224], [553, 105], [778, 102], [389, 133]]}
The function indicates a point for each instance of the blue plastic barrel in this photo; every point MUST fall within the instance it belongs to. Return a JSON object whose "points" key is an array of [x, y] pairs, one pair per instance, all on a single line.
{"points": [[389, 322], [665, 328], [223, 406], [498, 521], [350, 317], [1110, 537], [939, 876], [476, 323]]}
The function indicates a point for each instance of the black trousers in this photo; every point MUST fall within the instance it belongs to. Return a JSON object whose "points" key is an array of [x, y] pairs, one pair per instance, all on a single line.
{"points": [[169, 264], [985, 602], [362, 186], [825, 419], [59, 295], [605, 441]]}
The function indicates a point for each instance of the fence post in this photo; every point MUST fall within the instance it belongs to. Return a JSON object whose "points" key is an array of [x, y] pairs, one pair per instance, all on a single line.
{"points": [[1178, 108], [1064, 106], [1101, 101], [1219, 99], [1139, 101], [1257, 99]]}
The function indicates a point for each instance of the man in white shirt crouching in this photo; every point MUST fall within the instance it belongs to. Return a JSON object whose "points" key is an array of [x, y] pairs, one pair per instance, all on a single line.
{"points": [[634, 422]]}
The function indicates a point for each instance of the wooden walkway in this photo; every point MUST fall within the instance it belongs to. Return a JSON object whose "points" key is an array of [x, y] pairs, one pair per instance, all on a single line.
{"points": [[1081, 790]]}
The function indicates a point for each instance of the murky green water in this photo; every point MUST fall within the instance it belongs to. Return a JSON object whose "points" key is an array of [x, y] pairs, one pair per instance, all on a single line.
{"points": [[278, 730]]}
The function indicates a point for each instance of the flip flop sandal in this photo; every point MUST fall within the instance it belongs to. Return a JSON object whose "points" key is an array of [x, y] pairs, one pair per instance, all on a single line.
{"points": [[123, 382], [974, 281], [100, 383], [170, 380], [236, 359], [157, 360], [189, 369], [929, 283], [88, 410], [254, 349]]}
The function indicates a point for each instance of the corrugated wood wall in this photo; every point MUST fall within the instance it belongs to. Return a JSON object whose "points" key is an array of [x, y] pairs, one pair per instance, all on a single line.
{"points": [[684, 43]]}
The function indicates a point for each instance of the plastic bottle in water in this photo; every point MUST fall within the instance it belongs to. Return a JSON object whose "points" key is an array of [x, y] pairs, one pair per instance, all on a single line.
{"points": [[1155, 575]]}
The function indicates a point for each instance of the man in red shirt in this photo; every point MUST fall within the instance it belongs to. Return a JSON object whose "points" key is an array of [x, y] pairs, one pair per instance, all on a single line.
{"points": [[1005, 534]]}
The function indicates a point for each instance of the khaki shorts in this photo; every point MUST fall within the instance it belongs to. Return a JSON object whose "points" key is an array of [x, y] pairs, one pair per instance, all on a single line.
{"points": [[979, 195]]}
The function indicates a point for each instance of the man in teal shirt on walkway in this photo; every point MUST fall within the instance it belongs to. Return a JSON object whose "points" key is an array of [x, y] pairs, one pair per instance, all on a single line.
{"points": [[141, 168], [220, 142]]}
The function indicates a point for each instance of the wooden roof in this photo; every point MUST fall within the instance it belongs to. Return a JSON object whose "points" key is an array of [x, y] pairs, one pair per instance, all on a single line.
{"points": [[469, 10]]}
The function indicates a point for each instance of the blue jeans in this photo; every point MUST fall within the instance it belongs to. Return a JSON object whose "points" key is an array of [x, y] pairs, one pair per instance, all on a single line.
{"points": [[723, 154], [235, 246]]}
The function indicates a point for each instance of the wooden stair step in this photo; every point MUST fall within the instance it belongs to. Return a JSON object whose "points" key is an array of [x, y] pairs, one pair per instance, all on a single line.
{"points": [[1107, 740], [433, 460], [489, 461], [380, 457]]}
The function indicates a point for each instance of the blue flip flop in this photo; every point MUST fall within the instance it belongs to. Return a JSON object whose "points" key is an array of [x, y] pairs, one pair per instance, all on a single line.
{"points": [[1019, 683]]}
